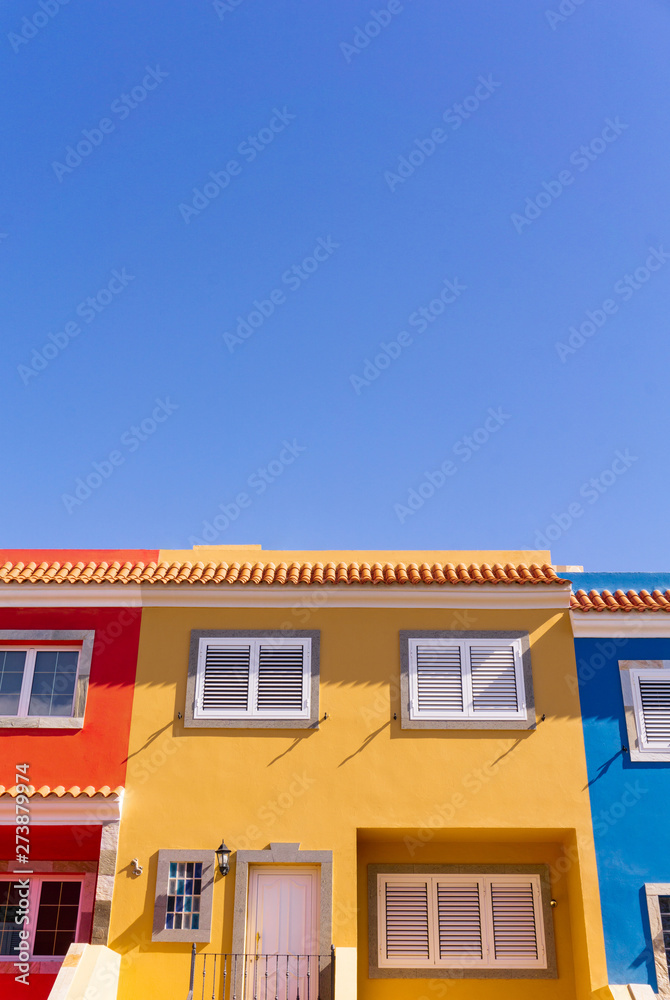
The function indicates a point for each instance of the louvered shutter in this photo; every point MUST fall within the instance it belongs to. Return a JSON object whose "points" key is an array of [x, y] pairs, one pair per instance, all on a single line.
{"points": [[281, 670], [459, 917], [406, 921], [225, 680], [439, 681], [493, 672], [515, 937], [655, 708]]}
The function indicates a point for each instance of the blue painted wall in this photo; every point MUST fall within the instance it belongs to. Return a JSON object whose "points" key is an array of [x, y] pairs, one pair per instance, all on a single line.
{"points": [[630, 801]]}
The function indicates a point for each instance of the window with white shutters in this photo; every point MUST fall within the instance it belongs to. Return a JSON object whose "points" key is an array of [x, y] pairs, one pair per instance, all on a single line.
{"points": [[253, 678], [466, 679], [651, 701], [457, 921]]}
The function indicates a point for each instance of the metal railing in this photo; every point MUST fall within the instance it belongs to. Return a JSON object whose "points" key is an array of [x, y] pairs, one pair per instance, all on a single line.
{"points": [[219, 976]]}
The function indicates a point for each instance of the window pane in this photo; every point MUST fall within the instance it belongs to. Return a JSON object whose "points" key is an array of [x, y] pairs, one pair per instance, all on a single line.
{"points": [[183, 895], [53, 683], [12, 663], [57, 917], [664, 904], [9, 908]]}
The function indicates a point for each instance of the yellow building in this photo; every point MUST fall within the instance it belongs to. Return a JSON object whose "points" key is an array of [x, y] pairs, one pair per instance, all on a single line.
{"points": [[390, 745]]}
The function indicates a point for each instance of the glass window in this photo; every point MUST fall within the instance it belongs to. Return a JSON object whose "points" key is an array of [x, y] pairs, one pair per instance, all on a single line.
{"points": [[183, 896], [56, 917], [9, 909], [38, 682]]}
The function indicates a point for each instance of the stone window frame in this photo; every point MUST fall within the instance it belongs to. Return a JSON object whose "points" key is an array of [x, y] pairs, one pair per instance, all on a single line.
{"points": [[528, 723], [285, 854], [437, 972], [84, 639], [653, 890], [625, 667], [312, 722], [204, 932]]}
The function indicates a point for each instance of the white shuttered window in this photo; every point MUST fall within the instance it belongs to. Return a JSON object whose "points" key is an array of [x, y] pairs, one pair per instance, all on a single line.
{"points": [[651, 701], [460, 921], [253, 678], [466, 679]]}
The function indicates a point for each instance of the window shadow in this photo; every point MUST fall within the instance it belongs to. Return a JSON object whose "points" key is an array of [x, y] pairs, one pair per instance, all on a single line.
{"points": [[366, 742]]}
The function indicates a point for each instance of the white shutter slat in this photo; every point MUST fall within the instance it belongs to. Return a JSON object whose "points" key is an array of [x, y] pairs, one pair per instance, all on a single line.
{"points": [[493, 671], [407, 918], [225, 684], [459, 920], [655, 699], [280, 678], [514, 930], [439, 679]]}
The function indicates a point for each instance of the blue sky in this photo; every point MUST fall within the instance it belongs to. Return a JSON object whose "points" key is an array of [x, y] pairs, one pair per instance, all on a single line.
{"points": [[223, 221]]}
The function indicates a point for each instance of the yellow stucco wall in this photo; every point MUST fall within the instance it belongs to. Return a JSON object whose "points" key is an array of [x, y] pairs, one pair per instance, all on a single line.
{"points": [[358, 786]]}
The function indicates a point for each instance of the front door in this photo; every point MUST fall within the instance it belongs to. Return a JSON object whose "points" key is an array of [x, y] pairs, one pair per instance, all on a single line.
{"points": [[283, 933]]}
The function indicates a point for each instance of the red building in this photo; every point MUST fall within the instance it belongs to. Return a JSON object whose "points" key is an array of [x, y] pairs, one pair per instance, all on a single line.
{"points": [[67, 669]]}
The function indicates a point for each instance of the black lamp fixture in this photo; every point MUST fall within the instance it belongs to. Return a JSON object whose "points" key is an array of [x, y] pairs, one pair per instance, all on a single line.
{"points": [[223, 858]]}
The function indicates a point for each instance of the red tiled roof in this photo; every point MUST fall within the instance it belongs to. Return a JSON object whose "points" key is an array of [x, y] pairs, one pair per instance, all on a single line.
{"points": [[75, 791], [280, 573], [631, 600]]}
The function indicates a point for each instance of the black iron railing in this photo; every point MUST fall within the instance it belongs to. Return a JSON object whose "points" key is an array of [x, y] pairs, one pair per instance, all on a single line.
{"points": [[218, 976]]}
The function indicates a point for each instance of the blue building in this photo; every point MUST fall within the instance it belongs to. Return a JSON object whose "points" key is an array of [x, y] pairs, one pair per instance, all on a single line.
{"points": [[622, 642]]}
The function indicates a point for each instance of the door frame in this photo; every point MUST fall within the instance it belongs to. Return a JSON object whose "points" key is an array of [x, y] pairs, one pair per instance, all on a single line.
{"points": [[290, 855]]}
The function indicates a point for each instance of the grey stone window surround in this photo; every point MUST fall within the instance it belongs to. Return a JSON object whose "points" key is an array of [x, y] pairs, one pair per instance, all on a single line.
{"points": [[625, 667], [197, 634], [406, 723], [285, 854], [76, 720], [653, 890], [203, 934], [435, 972]]}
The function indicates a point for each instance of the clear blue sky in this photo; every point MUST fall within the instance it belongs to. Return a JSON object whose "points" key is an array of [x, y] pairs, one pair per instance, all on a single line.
{"points": [[319, 122]]}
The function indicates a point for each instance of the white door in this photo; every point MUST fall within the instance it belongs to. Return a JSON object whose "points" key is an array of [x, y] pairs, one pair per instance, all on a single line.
{"points": [[283, 933]]}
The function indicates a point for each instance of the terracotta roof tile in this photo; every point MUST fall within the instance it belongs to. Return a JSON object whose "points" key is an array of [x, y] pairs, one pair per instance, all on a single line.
{"points": [[75, 791], [281, 574], [631, 601]]}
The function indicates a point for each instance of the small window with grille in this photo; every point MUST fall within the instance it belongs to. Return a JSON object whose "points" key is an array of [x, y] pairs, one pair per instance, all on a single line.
{"points": [[183, 896], [183, 903], [658, 905]]}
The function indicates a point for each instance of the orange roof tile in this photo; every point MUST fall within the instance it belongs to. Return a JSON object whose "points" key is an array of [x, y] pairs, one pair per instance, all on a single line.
{"points": [[630, 601], [280, 573], [75, 791]]}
